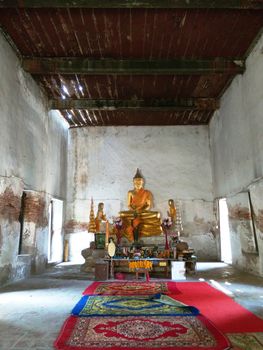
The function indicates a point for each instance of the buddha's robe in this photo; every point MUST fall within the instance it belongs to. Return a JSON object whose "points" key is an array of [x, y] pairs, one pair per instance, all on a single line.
{"points": [[149, 222]]}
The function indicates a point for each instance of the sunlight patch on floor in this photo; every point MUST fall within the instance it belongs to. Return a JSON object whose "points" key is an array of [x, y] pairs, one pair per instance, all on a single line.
{"points": [[222, 289]]}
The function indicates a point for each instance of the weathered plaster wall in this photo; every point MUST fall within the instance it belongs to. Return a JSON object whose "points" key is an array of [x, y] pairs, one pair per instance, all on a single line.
{"points": [[175, 162], [10, 194], [236, 139], [33, 147]]}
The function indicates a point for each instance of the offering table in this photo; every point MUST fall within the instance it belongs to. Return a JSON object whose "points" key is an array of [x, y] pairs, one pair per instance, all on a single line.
{"points": [[162, 263]]}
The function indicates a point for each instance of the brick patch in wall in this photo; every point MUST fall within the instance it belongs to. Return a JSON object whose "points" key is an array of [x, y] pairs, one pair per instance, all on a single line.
{"points": [[259, 220], [5, 273], [75, 226], [10, 205], [1, 240], [35, 210], [239, 213]]}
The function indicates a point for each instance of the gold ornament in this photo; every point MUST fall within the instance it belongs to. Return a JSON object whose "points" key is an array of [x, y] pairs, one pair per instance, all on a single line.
{"points": [[92, 223]]}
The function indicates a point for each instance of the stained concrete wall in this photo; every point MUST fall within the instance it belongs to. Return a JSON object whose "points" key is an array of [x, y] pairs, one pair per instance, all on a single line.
{"points": [[175, 162], [236, 139], [33, 147]]}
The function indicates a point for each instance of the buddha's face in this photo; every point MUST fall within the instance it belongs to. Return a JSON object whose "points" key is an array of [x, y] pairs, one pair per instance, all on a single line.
{"points": [[138, 183]]}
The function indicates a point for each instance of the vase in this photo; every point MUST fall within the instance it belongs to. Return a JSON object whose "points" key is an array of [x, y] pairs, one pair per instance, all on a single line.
{"points": [[166, 240]]}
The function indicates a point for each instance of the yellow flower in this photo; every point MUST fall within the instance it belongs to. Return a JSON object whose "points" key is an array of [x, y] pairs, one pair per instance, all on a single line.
{"points": [[140, 264]]}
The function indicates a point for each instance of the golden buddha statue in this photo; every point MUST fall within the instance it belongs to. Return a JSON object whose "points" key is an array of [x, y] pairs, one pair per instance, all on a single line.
{"points": [[100, 216], [139, 217]]}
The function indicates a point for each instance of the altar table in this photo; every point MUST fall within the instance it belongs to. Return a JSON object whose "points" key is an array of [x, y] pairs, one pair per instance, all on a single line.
{"points": [[164, 263]]}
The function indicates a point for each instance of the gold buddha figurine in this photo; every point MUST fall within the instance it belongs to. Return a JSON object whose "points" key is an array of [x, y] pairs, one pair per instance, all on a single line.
{"points": [[139, 217], [172, 210], [100, 216]]}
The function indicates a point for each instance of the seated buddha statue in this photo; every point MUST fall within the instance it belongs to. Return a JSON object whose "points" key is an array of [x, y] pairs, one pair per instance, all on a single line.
{"points": [[139, 218]]}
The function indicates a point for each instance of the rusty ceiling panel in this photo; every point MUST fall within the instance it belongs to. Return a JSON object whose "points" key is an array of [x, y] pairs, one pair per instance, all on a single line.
{"points": [[107, 118], [132, 33], [76, 65], [179, 104], [133, 87], [219, 4], [103, 37]]}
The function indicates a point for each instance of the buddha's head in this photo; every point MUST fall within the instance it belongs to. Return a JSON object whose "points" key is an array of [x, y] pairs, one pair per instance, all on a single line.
{"points": [[138, 180], [171, 203], [101, 206]]}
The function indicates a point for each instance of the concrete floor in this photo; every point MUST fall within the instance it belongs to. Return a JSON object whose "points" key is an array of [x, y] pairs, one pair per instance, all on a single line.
{"points": [[32, 311]]}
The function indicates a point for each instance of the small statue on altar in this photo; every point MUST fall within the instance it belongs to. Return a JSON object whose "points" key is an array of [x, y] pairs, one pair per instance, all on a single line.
{"points": [[139, 220], [172, 210], [100, 216]]}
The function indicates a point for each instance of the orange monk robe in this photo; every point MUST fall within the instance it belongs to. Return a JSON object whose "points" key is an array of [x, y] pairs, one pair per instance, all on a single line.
{"points": [[140, 199]]}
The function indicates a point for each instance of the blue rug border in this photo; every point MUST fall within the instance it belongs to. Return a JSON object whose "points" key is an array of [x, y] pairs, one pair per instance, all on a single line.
{"points": [[81, 303]]}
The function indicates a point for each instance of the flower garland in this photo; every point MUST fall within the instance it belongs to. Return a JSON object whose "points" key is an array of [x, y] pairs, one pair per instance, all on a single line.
{"points": [[118, 225], [166, 225], [140, 264]]}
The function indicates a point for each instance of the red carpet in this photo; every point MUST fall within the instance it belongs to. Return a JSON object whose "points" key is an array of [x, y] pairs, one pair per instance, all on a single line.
{"points": [[223, 311], [137, 332]]}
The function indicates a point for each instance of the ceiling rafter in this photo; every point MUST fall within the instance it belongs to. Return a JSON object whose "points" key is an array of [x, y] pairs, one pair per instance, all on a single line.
{"points": [[75, 65], [187, 4], [180, 104]]}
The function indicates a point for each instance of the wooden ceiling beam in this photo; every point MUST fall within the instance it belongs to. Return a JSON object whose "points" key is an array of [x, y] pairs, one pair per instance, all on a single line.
{"points": [[185, 4], [64, 65], [180, 104]]}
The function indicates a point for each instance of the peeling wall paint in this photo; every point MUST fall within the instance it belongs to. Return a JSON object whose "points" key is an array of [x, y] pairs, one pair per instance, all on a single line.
{"points": [[236, 141], [35, 210], [256, 194], [1, 240], [9, 205], [75, 226], [245, 253], [33, 145], [10, 193], [259, 220], [239, 213]]}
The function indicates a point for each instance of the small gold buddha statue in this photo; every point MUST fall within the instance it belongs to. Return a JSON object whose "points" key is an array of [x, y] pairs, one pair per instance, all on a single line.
{"points": [[172, 210], [139, 217], [100, 216]]}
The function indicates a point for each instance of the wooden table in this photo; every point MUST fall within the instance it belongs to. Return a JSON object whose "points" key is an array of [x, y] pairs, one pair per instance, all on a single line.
{"points": [[162, 262]]}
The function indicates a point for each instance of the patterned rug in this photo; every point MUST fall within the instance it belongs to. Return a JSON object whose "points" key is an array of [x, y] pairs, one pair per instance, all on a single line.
{"points": [[246, 341], [126, 288], [138, 332], [112, 305]]}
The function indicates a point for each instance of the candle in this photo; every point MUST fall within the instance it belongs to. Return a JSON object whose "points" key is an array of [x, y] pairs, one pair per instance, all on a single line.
{"points": [[107, 234]]}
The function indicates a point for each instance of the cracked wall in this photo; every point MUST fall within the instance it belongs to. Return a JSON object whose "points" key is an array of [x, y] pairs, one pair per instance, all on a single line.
{"points": [[33, 145], [236, 140]]}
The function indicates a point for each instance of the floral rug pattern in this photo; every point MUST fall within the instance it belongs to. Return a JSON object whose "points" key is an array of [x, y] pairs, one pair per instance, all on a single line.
{"points": [[193, 332], [246, 341], [126, 288], [98, 305]]}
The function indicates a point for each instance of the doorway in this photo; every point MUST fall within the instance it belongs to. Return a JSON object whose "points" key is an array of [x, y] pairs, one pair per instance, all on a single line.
{"points": [[225, 242], [21, 221], [55, 238]]}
